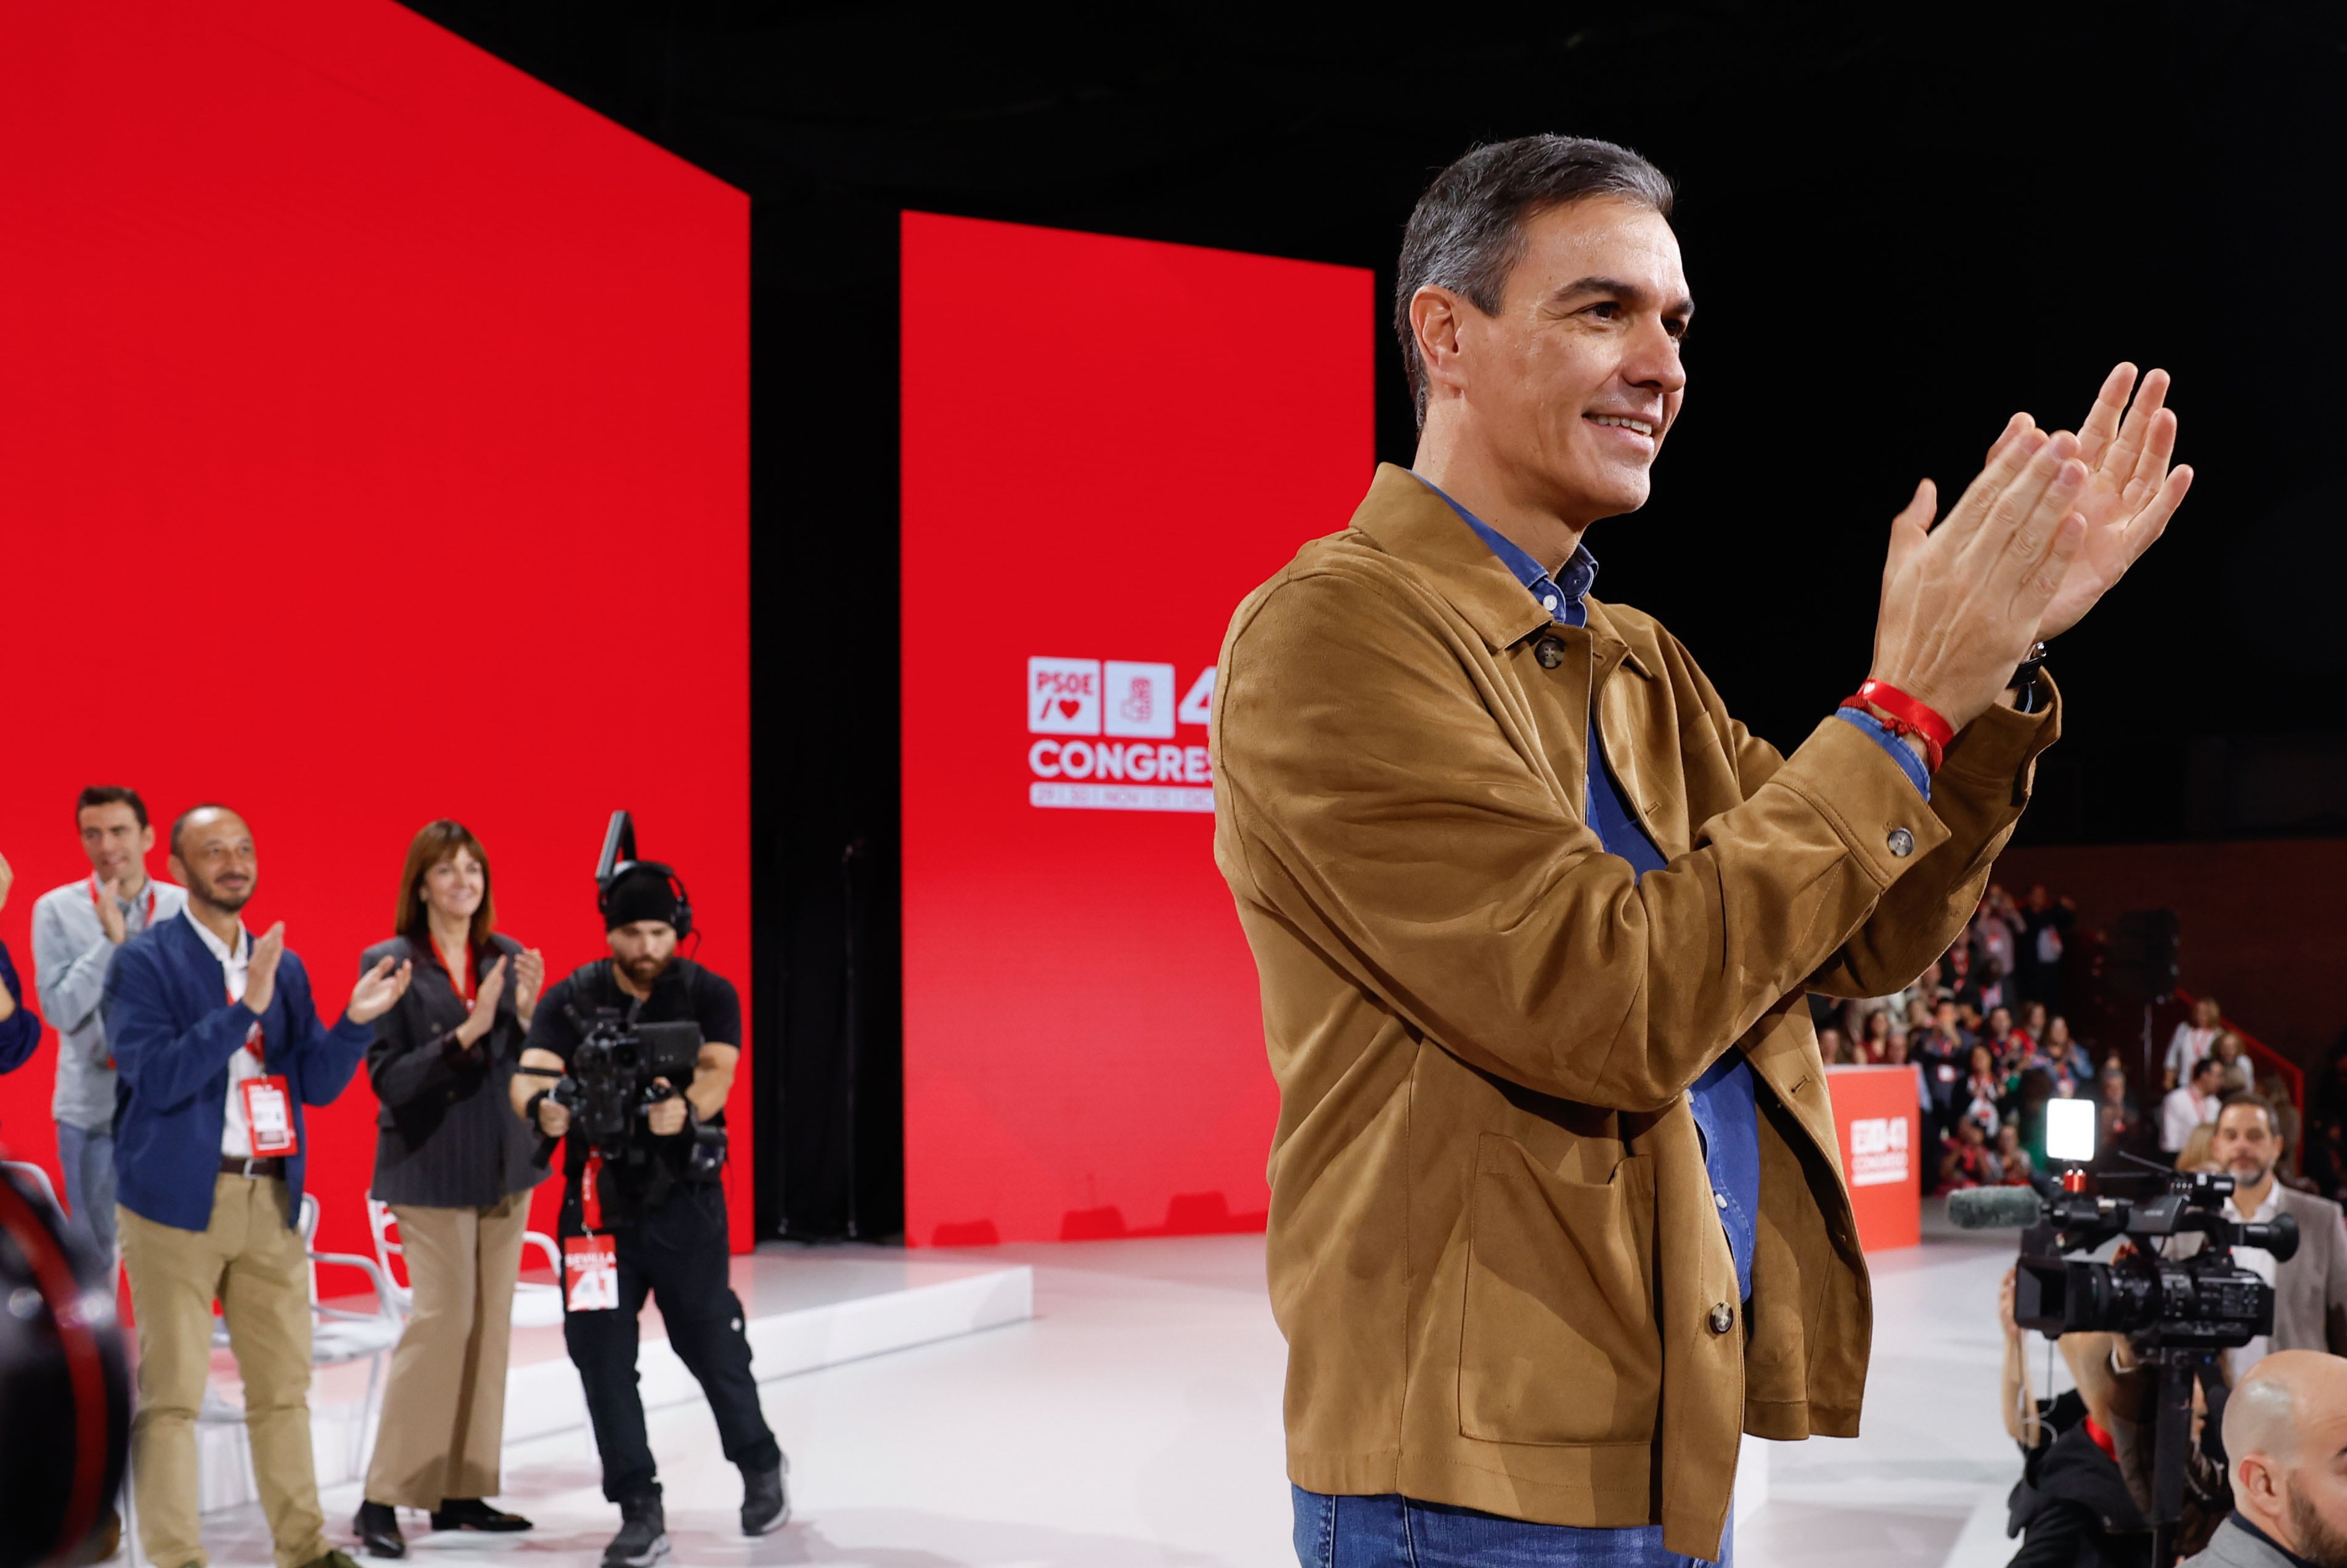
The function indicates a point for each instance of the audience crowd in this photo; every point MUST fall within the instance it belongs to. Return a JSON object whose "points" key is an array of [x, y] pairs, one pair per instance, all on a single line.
{"points": [[1986, 1034]]}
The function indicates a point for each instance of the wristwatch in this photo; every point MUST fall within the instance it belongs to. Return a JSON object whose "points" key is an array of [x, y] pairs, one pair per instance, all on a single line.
{"points": [[2024, 680]]}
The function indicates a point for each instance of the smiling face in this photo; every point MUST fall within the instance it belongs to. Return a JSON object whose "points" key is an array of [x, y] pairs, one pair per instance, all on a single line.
{"points": [[1571, 384], [116, 846], [456, 886], [214, 859]]}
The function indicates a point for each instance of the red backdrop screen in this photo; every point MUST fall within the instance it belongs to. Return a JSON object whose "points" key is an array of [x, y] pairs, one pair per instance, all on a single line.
{"points": [[374, 433], [1107, 442]]}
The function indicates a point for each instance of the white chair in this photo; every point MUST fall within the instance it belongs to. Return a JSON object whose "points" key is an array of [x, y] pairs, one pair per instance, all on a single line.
{"points": [[337, 1335], [383, 1225], [535, 1305]]}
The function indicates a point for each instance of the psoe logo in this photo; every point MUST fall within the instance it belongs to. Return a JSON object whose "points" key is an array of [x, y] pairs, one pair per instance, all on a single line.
{"points": [[1878, 1150], [1124, 701]]}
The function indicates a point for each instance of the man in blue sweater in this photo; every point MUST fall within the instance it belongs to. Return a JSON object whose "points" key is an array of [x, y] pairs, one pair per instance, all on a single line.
{"points": [[219, 1048]]}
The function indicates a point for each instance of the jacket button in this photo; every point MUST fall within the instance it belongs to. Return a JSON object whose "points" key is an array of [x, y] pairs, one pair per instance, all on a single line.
{"points": [[1723, 1318], [1901, 843], [1549, 651]]}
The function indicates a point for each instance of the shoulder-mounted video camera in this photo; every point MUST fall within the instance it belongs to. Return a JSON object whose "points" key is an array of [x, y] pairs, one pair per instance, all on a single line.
{"points": [[2203, 1301], [2159, 1294]]}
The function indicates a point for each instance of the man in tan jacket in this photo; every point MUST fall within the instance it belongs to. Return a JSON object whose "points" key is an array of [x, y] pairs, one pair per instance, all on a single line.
{"points": [[1556, 1206]]}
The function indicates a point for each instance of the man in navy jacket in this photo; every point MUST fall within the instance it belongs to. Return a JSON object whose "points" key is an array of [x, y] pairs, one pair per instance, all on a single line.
{"points": [[20, 1028], [219, 1048]]}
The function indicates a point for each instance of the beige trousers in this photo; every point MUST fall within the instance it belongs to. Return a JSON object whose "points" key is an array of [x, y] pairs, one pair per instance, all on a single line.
{"points": [[249, 1259], [444, 1415]]}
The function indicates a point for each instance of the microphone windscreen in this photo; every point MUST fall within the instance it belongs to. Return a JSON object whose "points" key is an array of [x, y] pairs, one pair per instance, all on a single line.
{"points": [[1992, 1208]]}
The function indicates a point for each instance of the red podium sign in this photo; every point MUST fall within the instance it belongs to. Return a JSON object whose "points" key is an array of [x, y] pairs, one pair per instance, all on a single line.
{"points": [[1877, 1122]]}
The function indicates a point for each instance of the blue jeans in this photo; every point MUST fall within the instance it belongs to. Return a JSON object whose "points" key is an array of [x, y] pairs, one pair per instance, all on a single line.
{"points": [[88, 1160], [1393, 1531]]}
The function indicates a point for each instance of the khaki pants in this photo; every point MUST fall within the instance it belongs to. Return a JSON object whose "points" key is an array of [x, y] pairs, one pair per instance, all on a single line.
{"points": [[444, 1415], [251, 1259]]}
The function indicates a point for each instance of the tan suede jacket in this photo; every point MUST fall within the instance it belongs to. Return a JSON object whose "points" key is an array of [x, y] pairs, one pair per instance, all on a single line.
{"points": [[1494, 1248]]}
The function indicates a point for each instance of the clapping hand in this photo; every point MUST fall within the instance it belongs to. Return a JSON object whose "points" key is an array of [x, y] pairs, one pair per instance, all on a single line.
{"points": [[372, 997], [2129, 495], [261, 968], [529, 979], [110, 914], [8, 879], [1961, 602], [484, 1016]]}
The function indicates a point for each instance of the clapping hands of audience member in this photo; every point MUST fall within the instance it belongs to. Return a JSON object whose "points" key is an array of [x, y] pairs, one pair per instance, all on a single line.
{"points": [[484, 1016], [8, 879], [529, 979], [371, 998], [109, 913], [261, 968]]}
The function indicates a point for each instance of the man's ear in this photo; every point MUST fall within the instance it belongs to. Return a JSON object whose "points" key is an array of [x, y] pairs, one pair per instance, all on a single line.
{"points": [[1435, 318], [2253, 1474]]}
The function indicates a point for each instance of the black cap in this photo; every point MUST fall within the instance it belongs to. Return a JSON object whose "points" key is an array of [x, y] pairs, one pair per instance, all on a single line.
{"points": [[640, 893]]}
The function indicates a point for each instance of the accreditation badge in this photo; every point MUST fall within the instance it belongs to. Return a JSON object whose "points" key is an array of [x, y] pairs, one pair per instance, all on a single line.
{"points": [[590, 1272], [268, 1113]]}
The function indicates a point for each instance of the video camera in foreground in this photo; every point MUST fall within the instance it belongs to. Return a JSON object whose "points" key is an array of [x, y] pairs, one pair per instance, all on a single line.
{"points": [[2159, 1298], [622, 1068], [2177, 1306]]}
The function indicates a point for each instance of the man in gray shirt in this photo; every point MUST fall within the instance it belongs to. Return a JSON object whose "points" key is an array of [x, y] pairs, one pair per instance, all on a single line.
{"points": [[76, 930]]}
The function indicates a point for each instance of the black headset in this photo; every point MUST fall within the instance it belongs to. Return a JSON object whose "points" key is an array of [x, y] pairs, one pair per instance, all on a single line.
{"points": [[625, 868], [619, 861]]}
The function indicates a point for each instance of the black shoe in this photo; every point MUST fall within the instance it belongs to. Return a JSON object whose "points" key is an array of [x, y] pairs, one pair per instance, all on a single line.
{"points": [[643, 1534], [472, 1513], [377, 1527], [765, 1501]]}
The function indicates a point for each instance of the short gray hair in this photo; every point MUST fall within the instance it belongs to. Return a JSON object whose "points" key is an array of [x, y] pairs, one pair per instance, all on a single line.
{"points": [[1467, 231]]}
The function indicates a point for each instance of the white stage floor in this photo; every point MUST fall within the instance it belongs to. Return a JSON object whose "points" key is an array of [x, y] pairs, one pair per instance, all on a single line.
{"points": [[1136, 1421]]}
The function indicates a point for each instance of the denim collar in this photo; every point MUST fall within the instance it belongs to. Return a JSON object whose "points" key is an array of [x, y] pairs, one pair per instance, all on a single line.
{"points": [[1560, 592]]}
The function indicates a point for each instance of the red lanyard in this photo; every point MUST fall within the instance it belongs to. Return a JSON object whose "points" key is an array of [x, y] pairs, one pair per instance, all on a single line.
{"points": [[590, 1194], [96, 893], [459, 980]]}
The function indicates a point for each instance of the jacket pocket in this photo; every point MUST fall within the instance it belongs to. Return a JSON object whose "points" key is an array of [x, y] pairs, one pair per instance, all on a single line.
{"points": [[1558, 1343]]}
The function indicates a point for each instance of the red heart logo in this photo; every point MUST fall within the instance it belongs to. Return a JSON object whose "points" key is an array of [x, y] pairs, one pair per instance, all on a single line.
{"points": [[1068, 707]]}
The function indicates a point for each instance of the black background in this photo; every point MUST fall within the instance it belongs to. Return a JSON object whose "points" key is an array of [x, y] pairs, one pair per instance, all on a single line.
{"points": [[1901, 223]]}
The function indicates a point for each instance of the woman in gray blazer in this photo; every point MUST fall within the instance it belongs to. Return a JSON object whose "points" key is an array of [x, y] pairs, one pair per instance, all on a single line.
{"points": [[453, 1162]]}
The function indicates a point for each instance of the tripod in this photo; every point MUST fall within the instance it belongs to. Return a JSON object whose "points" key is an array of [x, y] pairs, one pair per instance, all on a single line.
{"points": [[2171, 1435]]}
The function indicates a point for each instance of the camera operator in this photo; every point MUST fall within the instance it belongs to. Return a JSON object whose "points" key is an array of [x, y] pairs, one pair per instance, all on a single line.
{"points": [[665, 1219], [2285, 1439], [2072, 1506], [2311, 1288]]}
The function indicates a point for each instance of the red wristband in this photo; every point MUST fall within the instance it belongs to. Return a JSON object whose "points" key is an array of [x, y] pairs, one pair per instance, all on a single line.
{"points": [[1907, 717]]}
